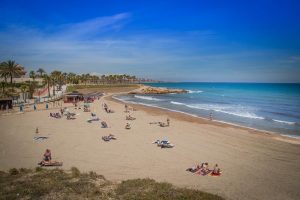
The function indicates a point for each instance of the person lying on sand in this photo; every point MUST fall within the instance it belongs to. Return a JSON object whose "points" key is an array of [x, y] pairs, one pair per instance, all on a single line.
{"points": [[70, 116], [109, 137], [127, 126], [130, 117], [162, 124], [194, 169], [55, 115]]}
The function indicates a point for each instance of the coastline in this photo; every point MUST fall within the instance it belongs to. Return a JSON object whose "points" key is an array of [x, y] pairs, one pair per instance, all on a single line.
{"points": [[156, 110], [240, 155]]}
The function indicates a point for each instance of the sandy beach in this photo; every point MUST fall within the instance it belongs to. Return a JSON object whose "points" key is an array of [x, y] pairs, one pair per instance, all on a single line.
{"points": [[255, 165]]}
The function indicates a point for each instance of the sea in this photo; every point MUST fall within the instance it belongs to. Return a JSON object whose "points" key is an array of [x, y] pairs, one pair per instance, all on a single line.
{"points": [[273, 107]]}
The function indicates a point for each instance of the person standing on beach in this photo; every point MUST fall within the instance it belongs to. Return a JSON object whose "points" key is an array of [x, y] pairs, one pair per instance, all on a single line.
{"points": [[47, 106], [34, 107], [168, 121]]}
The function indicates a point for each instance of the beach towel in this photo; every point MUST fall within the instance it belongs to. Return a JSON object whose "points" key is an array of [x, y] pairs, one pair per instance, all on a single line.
{"points": [[203, 172], [51, 164], [216, 174], [39, 138]]}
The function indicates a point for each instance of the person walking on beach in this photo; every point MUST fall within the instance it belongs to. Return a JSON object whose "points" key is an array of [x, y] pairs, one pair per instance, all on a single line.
{"points": [[210, 116], [34, 107], [168, 121], [47, 106]]}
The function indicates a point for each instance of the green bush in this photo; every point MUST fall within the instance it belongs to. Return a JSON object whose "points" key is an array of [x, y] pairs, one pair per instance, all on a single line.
{"points": [[13, 171]]}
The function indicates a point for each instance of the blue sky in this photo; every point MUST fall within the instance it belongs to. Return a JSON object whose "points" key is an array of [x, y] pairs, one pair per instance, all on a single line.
{"points": [[223, 41]]}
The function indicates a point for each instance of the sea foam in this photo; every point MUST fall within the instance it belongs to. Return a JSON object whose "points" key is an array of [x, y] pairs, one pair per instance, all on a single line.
{"points": [[149, 98]]}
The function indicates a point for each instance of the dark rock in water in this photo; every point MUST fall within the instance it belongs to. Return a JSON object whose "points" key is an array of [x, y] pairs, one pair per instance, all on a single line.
{"points": [[157, 90]]}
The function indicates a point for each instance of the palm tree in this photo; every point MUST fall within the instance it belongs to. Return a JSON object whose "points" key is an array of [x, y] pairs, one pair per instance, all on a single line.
{"points": [[103, 77], [31, 88], [32, 75], [47, 81], [41, 72], [24, 89], [13, 70], [56, 77], [3, 85], [4, 72]]}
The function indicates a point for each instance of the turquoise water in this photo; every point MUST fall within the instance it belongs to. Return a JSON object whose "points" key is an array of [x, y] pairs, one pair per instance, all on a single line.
{"points": [[270, 107]]}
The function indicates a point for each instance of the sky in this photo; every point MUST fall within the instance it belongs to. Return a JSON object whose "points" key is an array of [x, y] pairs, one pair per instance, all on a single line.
{"points": [[168, 40]]}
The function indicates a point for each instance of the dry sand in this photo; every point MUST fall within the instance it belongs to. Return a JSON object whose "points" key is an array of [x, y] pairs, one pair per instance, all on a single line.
{"points": [[254, 164]]}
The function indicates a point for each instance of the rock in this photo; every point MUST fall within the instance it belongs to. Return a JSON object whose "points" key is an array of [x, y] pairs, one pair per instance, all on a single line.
{"points": [[156, 90]]}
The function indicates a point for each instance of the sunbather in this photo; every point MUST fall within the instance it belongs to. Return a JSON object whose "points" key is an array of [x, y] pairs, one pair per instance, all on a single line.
{"points": [[162, 124], [47, 160], [204, 169], [109, 137], [47, 157], [216, 171], [104, 124], [130, 117], [127, 126], [193, 169]]}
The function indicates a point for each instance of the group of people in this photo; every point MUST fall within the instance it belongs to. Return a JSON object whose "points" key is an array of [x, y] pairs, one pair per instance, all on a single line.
{"points": [[203, 170], [162, 124], [55, 115]]}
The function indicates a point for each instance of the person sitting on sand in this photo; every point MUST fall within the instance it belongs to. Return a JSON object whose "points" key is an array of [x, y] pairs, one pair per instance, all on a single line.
{"points": [[47, 157], [216, 171], [127, 126], [204, 170], [110, 111], [47, 160], [104, 124]]}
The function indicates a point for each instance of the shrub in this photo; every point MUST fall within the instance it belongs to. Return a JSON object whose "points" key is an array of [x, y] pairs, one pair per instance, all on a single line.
{"points": [[38, 169], [75, 172], [13, 171]]}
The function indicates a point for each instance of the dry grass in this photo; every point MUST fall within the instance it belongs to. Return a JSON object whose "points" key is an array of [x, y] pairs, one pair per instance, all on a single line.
{"points": [[58, 184]]}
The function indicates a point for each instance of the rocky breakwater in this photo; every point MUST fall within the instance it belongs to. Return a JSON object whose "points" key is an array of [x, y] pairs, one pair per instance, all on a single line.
{"points": [[156, 90]]}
